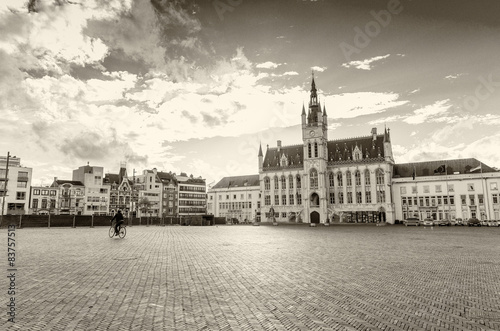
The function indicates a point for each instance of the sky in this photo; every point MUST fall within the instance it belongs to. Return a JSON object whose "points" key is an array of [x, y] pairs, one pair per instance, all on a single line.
{"points": [[197, 86]]}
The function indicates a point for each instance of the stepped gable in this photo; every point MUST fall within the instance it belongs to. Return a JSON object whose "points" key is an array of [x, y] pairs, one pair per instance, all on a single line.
{"points": [[294, 155], [238, 181], [431, 168], [342, 149]]}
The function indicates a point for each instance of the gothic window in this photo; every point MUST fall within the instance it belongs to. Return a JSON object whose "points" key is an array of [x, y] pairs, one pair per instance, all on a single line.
{"points": [[339, 179], [359, 197], [331, 179], [315, 149], [348, 179], [299, 184], [267, 183], [314, 178], [349, 197], [367, 177], [276, 183], [380, 177], [309, 150], [357, 177], [283, 182], [284, 161], [341, 197], [291, 199], [332, 198], [290, 181], [314, 199]]}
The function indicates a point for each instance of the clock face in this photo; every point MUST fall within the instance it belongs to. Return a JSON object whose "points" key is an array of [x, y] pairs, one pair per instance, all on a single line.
{"points": [[311, 133]]}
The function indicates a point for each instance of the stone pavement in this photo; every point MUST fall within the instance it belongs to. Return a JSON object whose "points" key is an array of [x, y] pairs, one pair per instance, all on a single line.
{"points": [[256, 278]]}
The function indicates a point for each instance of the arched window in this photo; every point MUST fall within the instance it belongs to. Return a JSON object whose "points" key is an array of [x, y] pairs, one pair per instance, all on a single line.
{"points": [[357, 177], [276, 183], [290, 181], [309, 152], [299, 183], [331, 179], [315, 149], [339, 179], [348, 179], [314, 199], [283, 182], [380, 177], [367, 177], [267, 183], [313, 178]]}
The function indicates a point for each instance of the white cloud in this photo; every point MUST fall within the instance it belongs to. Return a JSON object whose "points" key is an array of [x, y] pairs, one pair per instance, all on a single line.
{"points": [[318, 69], [365, 64], [429, 113], [268, 65], [450, 77], [291, 73], [349, 105]]}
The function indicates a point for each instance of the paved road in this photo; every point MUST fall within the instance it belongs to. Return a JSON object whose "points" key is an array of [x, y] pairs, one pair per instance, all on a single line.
{"points": [[256, 278]]}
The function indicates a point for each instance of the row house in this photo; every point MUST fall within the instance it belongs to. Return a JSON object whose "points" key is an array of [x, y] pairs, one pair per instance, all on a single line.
{"points": [[15, 183]]}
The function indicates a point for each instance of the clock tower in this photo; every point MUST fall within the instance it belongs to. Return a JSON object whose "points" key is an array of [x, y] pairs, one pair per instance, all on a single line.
{"points": [[315, 137]]}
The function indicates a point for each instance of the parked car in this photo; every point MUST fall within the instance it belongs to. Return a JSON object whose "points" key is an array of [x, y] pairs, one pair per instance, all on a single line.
{"points": [[459, 221], [442, 222], [427, 222], [473, 222], [493, 223], [484, 223], [411, 221]]}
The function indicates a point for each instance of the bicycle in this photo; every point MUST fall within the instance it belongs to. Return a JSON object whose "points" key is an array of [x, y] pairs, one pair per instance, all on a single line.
{"points": [[122, 231]]}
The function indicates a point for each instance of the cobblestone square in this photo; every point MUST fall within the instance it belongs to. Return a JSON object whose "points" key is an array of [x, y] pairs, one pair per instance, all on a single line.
{"points": [[342, 277]]}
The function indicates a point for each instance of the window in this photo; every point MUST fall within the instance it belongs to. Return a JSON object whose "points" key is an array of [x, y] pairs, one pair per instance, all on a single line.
{"points": [[480, 199], [463, 199], [359, 197], [331, 179], [283, 200], [348, 179], [97, 180], [290, 181], [267, 200], [314, 178], [299, 199], [438, 188], [291, 199], [20, 195], [339, 179], [283, 182], [234, 196], [267, 184], [53, 192], [36, 192], [276, 183], [472, 199], [309, 150], [367, 177], [368, 197], [402, 190], [276, 200], [35, 203], [22, 184], [452, 199], [44, 203], [380, 196], [495, 198], [341, 197], [227, 196], [357, 177], [332, 198], [315, 149], [380, 177], [299, 184], [349, 197]]}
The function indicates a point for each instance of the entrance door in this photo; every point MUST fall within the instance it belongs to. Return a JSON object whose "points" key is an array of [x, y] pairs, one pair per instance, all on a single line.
{"points": [[314, 217]]}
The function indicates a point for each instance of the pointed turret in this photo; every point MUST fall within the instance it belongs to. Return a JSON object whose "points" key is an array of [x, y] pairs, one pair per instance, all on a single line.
{"points": [[303, 116], [261, 158]]}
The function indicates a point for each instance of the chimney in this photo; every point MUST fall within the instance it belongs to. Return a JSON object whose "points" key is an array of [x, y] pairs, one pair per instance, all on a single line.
{"points": [[374, 134], [279, 145]]}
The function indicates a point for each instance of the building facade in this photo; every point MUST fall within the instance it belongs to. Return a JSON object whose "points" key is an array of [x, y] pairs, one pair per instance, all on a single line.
{"points": [[236, 197], [15, 183], [169, 194], [122, 194], [447, 189], [192, 196], [322, 180], [70, 197], [96, 193]]}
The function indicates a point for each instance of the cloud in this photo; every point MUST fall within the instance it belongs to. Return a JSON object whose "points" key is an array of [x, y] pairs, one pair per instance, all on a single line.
{"points": [[429, 113], [318, 69], [451, 77], [365, 64], [290, 73], [268, 65], [350, 105]]}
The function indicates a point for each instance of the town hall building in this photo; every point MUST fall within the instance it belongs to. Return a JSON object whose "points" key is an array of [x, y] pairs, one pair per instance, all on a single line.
{"points": [[322, 180]]}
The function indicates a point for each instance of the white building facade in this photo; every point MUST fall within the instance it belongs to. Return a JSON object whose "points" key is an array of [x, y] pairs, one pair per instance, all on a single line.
{"points": [[96, 193], [15, 183]]}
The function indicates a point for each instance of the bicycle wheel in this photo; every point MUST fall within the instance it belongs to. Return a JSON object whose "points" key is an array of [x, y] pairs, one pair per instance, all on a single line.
{"points": [[123, 232], [111, 232]]}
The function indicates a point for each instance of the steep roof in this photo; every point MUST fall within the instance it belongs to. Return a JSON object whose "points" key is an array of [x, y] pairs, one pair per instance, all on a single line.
{"points": [[339, 151], [114, 178], [60, 182], [238, 181], [166, 177], [431, 168]]}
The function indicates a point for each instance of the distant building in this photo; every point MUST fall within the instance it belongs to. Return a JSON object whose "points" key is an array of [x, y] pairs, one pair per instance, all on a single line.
{"points": [[192, 195], [446, 189], [43, 200], [70, 197], [15, 185], [96, 193], [169, 194], [149, 185], [236, 197], [122, 194]]}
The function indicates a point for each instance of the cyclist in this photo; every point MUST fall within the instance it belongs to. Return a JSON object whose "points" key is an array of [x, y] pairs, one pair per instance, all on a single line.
{"points": [[119, 220]]}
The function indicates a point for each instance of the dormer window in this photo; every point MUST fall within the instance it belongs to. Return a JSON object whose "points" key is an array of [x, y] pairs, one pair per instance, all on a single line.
{"points": [[357, 154], [284, 161]]}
